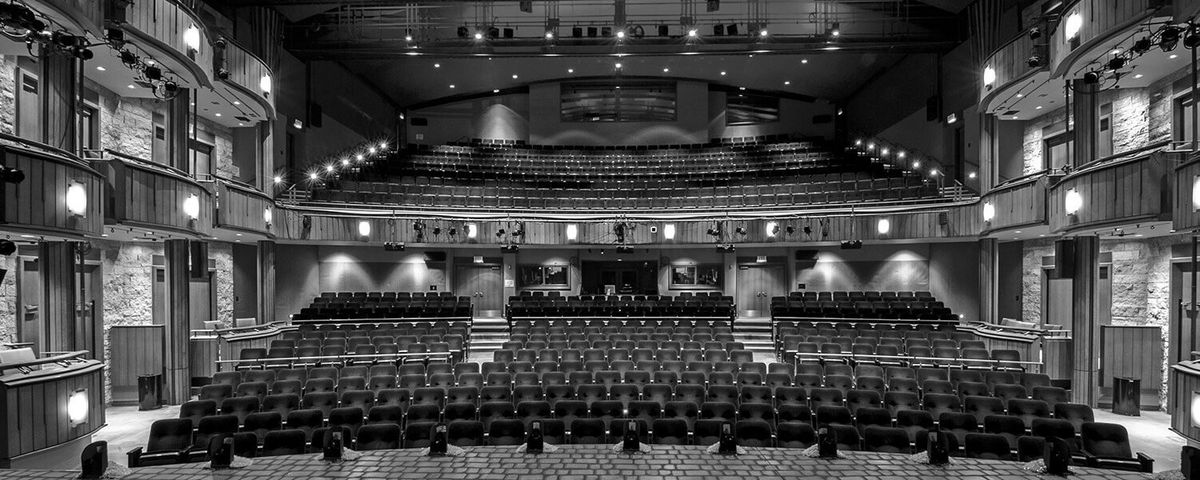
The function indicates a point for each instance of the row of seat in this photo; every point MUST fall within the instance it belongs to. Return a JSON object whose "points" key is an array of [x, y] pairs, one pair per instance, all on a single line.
{"points": [[388, 328], [619, 325]]}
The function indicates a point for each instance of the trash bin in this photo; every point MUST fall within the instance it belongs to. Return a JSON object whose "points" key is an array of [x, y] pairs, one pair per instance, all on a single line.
{"points": [[1127, 396], [150, 392]]}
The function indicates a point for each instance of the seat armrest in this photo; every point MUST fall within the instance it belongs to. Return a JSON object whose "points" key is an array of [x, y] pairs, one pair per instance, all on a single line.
{"points": [[1089, 459], [1146, 461], [134, 457]]}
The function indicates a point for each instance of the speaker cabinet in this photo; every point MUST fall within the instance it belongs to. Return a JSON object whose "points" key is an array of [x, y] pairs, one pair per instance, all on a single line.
{"points": [[438, 440], [199, 260], [727, 443], [1190, 462], [93, 460], [1064, 258]]}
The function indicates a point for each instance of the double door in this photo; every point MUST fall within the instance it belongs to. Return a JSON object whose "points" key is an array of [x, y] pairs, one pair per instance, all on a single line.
{"points": [[756, 284]]}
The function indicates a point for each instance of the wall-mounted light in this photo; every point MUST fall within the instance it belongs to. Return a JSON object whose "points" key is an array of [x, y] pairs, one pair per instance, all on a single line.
{"points": [[1073, 201], [264, 84], [191, 38], [883, 226], [267, 216], [77, 407], [772, 229], [1073, 25], [989, 76], [1196, 193], [472, 230], [1196, 409], [191, 207], [77, 199], [989, 212], [572, 232], [669, 231], [364, 229]]}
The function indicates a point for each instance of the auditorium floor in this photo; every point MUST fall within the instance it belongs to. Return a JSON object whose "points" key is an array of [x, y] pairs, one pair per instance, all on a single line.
{"points": [[127, 428]]}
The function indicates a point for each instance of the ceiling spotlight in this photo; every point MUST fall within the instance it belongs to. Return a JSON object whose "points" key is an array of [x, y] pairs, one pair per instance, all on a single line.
{"points": [[1169, 38], [1142, 45], [1116, 63], [1192, 39], [1035, 33], [452, 231], [1091, 78], [617, 66], [740, 231], [620, 34], [693, 33], [1034, 61]]}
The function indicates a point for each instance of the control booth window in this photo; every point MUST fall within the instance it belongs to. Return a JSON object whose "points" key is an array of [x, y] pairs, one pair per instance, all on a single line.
{"points": [[552, 277], [628, 102], [696, 276], [750, 109]]}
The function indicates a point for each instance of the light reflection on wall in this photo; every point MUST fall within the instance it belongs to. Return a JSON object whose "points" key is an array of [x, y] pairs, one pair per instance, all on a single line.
{"points": [[840, 270]]}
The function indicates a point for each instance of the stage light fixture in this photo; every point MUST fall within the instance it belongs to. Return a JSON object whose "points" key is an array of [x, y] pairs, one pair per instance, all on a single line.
{"points": [[191, 38], [1116, 63], [1072, 26], [437, 230], [1142, 45], [7, 247], [731, 30], [1192, 39], [989, 76], [1091, 78], [452, 231], [740, 231], [1169, 38], [152, 73], [693, 33], [1035, 33], [664, 30], [1034, 61], [1072, 202], [11, 175], [789, 229], [989, 212]]}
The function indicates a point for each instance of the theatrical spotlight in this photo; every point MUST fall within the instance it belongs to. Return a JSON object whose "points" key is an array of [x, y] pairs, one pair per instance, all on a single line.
{"points": [[464, 32], [740, 231], [11, 175], [7, 247], [1169, 38], [452, 231], [1116, 63], [437, 230], [1192, 39], [1091, 78], [1034, 61], [1035, 33], [1142, 45]]}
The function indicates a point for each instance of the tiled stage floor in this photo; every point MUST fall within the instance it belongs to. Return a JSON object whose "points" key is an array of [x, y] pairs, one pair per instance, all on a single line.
{"points": [[596, 461]]}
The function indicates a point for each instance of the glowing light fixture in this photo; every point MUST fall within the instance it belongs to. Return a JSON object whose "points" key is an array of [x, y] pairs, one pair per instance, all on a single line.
{"points": [[77, 199], [264, 84], [989, 76], [1195, 409], [191, 38], [669, 231], [884, 226], [1072, 202], [1073, 25], [278, 179], [267, 215], [989, 211], [364, 228], [77, 408], [572, 231], [772, 229], [1196, 193], [191, 206], [472, 230]]}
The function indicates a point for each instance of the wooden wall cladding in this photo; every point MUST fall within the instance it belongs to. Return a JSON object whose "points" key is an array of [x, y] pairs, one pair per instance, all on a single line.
{"points": [[134, 350], [241, 208], [1099, 20], [1133, 351], [161, 24], [35, 408], [1010, 62], [84, 14], [1185, 215], [40, 202], [202, 356], [245, 74], [1184, 383], [1018, 204], [145, 194], [1119, 191], [960, 221]]}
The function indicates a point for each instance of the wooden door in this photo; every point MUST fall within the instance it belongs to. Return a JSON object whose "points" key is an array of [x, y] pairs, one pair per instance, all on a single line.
{"points": [[484, 284], [29, 286], [202, 301], [756, 284], [1056, 300]]}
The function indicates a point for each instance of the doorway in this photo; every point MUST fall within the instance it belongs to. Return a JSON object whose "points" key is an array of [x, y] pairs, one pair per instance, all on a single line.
{"points": [[634, 277], [484, 283], [202, 304], [756, 284]]}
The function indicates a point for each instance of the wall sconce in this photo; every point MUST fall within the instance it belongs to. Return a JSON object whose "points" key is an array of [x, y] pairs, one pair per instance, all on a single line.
{"points": [[267, 215], [572, 232], [1073, 201], [191, 207], [1196, 193], [264, 84], [77, 408], [669, 231], [883, 226], [989, 77], [472, 230], [989, 212], [364, 229], [77, 199], [191, 38], [772, 229]]}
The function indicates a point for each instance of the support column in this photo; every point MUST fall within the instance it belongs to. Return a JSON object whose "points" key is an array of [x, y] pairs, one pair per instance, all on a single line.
{"points": [[1083, 114], [1085, 328], [989, 262], [177, 376], [178, 130], [266, 281], [988, 148], [59, 98], [56, 266]]}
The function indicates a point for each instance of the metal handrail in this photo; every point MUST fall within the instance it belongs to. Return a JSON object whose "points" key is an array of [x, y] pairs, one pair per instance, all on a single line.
{"points": [[948, 362], [319, 358], [60, 358]]}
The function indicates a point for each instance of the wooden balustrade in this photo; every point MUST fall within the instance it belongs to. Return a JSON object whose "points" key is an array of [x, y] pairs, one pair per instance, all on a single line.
{"points": [[1184, 385], [1011, 64], [85, 15], [243, 208], [1016, 204], [39, 204], [161, 25], [1113, 192], [245, 72], [1098, 20], [135, 350], [145, 194], [1186, 215], [36, 399]]}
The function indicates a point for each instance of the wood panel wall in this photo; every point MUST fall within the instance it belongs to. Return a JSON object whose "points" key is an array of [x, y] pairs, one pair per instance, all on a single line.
{"points": [[246, 71], [176, 361], [1010, 62], [1184, 383], [135, 350], [934, 222], [161, 24], [1185, 215], [35, 408], [146, 194], [1018, 204], [230, 345], [1135, 352], [84, 14], [203, 353], [241, 208], [40, 202], [1057, 357], [1101, 18], [57, 317], [60, 88], [1122, 191]]}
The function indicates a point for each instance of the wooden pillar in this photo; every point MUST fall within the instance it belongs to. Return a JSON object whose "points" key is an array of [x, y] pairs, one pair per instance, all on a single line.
{"points": [[266, 281], [177, 378], [178, 131], [988, 148], [1083, 115], [59, 98], [989, 261], [56, 265], [1085, 329]]}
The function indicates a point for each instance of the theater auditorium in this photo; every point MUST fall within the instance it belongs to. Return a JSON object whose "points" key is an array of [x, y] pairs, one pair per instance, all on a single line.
{"points": [[599, 239]]}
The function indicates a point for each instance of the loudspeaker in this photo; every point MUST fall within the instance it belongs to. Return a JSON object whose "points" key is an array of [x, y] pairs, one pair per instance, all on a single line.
{"points": [[1064, 258], [534, 442], [727, 443], [1190, 462], [332, 448], [1057, 456], [592, 31], [807, 255], [437, 440], [826, 443], [526, 6], [93, 461], [933, 109], [664, 31], [577, 32], [938, 448], [943, 218], [435, 256], [220, 451], [315, 113], [713, 5], [629, 442], [199, 260]]}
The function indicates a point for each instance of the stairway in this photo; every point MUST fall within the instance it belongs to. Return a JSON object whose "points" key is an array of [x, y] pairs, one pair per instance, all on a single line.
{"points": [[755, 334], [487, 334]]}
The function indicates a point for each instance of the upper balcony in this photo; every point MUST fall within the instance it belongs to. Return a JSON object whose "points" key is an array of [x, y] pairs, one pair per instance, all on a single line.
{"points": [[161, 200], [173, 33], [1121, 190], [1019, 203], [85, 16], [60, 196], [246, 78]]}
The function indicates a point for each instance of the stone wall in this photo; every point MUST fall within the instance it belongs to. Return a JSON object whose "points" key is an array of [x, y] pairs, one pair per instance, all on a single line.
{"points": [[128, 289], [8, 94], [8, 300], [222, 255]]}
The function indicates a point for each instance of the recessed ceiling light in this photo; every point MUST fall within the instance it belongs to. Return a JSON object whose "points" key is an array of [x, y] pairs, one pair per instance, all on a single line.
{"points": [[570, 70], [235, 102], [722, 73], [1138, 76], [101, 68], [1173, 56], [787, 82], [803, 60], [451, 85], [495, 90], [1020, 95], [437, 65], [131, 86], [240, 124], [618, 65], [741, 88], [218, 114], [1116, 50], [514, 76], [1039, 107], [665, 70]]}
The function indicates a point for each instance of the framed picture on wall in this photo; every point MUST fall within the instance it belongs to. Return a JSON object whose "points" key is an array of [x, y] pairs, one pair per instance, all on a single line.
{"points": [[545, 277], [696, 276]]}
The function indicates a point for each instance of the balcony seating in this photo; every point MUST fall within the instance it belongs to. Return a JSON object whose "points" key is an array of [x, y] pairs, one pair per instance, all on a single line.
{"points": [[385, 305], [530, 307]]}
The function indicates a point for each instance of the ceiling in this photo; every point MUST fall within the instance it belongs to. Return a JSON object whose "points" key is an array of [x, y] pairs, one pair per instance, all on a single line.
{"points": [[415, 80]]}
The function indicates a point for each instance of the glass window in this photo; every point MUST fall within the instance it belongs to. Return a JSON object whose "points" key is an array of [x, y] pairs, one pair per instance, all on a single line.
{"points": [[200, 159], [1183, 119], [693, 276], [545, 276], [158, 147], [28, 107], [1058, 148], [627, 102], [750, 109], [1104, 144]]}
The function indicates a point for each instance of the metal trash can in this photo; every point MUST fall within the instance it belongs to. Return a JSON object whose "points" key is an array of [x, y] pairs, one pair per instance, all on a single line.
{"points": [[1127, 396], [150, 392]]}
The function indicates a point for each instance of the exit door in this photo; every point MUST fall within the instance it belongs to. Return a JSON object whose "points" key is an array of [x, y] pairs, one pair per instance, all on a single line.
{"points": [[484, 284], [756, 284]]}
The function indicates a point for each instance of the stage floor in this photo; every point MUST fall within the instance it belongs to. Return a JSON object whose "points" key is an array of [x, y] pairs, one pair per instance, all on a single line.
{"points": [[598, 461]]}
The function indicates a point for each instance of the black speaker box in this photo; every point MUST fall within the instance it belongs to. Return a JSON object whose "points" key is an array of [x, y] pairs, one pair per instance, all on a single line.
{"points": [[332, 449], [220, 451], [93, 460], [1190, 462], [535, 442], [727, 443], [438, 440], [713, 5], [199, 260], [314, 115], [1064, 258], [827, 443], [1057, 456], [938, 448]]}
